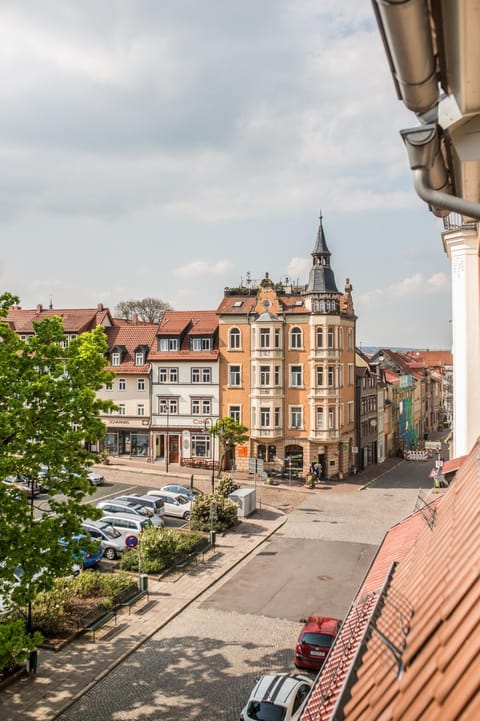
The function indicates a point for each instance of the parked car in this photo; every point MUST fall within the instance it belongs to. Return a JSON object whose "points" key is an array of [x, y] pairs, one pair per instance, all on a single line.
{"points": [[279, 697], [86, 558], [190, 493], [95, 479], [25, 485], [129, 525], [314, 641], [111, 540], [155, 505], [175, 504], [136, 509]]}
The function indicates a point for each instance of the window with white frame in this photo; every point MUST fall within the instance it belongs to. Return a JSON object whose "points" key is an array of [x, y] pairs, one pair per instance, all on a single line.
{"points": [[109, 386], [264, 337], [235, 413], [122, 384], [200, 445], [320, 419], [201, 375], [140, 384], [264, 375], [115, 359], [331, 338], [234, 378], [167, 344], [201, 406], [140, 409], [331, 376], [331, 418], [168, 375], [319, 337], [199, 344], [276, 417], [139, 358], [296, 376], [234, 338], [320, 376], [276, 376], [264, 417], [167, 406], [296, 338], [121, 409], [277, 338], [296, 417]]}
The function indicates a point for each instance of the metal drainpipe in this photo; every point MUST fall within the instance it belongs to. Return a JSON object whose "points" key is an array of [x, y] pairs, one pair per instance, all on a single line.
{"points": [[443, 200]]}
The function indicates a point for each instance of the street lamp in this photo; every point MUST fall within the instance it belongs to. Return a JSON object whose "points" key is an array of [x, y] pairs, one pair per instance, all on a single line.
{"points": [[166, 438], [208, 425]]}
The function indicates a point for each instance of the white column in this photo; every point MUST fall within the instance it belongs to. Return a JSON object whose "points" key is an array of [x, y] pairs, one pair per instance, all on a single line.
{"points": [[461, 246]]}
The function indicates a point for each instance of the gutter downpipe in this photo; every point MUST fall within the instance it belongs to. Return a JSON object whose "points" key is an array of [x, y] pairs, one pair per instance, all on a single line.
{"points": [[437, 199]]}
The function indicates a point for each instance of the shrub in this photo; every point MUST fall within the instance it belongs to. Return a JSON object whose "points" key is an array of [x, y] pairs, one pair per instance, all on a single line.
{"points": [[226, 512], [15, 643], [50, 607], [226, 486], [105, 585], [157, 549]]}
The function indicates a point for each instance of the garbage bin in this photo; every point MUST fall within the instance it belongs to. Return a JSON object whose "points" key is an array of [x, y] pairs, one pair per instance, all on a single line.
{"points": [[213, 536], [32, 661], [143, 582]]}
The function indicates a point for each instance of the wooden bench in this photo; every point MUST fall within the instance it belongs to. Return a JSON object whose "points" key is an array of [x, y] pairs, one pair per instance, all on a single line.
{"points": [[202, 547], [183, 559], [94, 620], [129, 597]]}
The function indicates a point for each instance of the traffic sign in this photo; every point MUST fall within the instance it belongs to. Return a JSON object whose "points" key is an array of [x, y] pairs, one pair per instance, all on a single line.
{"points": [[131, 541]]}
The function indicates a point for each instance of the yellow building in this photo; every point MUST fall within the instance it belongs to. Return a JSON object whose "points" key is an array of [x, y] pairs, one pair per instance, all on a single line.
{"points": [[287, 362]]}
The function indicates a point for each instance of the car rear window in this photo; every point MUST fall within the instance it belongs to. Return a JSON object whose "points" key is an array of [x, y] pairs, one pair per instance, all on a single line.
{"points": [[318, 639], [181, 500], [264, 711]]}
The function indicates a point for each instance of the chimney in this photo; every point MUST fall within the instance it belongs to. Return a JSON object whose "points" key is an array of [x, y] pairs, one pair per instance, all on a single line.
{"points": [[39, 308], [135, 318], [100, 306]]}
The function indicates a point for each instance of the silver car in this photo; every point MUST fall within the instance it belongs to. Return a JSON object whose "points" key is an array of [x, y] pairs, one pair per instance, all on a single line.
{"points": [[135, 509], [111, 540]]}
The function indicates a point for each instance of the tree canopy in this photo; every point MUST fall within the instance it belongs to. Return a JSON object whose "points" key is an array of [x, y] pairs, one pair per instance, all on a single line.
{"points": [[49, 413], [147, 310], [229, 433]]}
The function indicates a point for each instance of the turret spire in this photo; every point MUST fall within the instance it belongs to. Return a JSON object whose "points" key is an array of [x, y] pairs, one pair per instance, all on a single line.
{"points": [[322, 278]]}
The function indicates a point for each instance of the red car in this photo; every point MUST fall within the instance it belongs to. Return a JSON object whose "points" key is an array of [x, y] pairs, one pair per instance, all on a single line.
{"points": [[315, 640]]}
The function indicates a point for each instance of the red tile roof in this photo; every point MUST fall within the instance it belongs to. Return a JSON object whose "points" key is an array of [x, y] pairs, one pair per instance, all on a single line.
{"points": [[75, 320], [453, 465], [439, 639], [131, 336], [185, 324]]}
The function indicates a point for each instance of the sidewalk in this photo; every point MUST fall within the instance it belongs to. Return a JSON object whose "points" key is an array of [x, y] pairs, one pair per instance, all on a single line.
{"points": [[64, 676]]}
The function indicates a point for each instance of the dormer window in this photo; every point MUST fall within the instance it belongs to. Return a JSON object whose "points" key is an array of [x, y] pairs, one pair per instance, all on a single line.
{"points": [[115, 358], [139, 358], [167, 344], [199, 344]]}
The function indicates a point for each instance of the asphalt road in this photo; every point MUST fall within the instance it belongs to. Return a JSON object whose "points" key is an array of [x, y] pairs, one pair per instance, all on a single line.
{"points": [[203, 664]]}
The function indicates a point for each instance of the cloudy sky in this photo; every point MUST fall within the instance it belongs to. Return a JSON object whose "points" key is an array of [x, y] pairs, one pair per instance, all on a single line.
{"points": [[171, 148]]}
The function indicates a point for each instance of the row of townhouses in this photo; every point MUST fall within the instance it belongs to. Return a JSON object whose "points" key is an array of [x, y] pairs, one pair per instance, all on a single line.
{"points": [[279, 359]]}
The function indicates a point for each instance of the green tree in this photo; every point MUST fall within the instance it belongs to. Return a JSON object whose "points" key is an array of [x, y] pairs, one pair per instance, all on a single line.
{"points": [[49, 413], [229, 433], [147, 310]]}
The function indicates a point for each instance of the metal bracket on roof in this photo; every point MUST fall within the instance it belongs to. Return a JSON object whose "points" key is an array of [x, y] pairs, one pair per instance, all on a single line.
{"points": [[427, 511]]}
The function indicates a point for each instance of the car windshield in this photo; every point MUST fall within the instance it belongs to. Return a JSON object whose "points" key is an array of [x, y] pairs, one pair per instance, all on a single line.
{"points": [[181, 499], [264, 711], [317, 639]]}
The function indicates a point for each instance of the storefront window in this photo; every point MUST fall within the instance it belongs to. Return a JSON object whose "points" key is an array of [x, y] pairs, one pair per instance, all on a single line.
{"points": [[201, 446], [139, 445]]}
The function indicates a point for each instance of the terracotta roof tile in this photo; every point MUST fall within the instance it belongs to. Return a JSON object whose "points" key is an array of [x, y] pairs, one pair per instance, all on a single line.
{"points": [[453, 465]]}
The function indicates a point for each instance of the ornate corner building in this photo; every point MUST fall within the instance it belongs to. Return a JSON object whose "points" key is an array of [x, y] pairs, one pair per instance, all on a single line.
{"points": [[287, 369]]}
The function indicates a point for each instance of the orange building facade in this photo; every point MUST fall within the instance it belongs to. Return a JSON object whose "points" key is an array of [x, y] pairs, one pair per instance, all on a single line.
{"points": [[287, 370]]}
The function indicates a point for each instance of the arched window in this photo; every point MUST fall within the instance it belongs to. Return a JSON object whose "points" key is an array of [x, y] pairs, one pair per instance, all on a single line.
{"points": [[234, 339], [296, 338]]}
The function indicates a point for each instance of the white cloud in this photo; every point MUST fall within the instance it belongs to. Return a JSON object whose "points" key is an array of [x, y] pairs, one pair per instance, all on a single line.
{"points": [[201, 268], [298, 268], [418, 284], [371, 296]]}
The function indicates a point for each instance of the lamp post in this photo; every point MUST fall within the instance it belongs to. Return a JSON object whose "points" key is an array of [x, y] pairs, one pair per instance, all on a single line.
{"points": [[208, 424]]}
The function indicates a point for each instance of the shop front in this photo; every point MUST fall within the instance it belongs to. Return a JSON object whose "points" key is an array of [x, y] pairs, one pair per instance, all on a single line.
{"points": [[124, 437]]}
